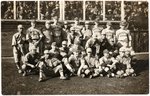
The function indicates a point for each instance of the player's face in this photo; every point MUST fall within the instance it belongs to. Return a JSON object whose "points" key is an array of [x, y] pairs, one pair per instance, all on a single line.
{"points": [[33, 51], [47, 26], [76, 22], [64, 45], [72, 31], [46, 55], [106, 55], [55, 20], [33, 24], [87, 26], [53, 47], [76, 54], [122, 27], [108, 26], [20, 30], [122, 53], [96, 24], [89, 53], [127, 53]]}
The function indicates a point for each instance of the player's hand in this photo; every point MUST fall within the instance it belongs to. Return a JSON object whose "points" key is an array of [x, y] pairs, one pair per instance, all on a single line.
{"points": [[32, 66]]}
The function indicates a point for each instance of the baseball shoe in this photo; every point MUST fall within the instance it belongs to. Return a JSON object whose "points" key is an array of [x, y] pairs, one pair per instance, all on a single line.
{"points": [[41, 79], [108, 75], [19, 71], [91, 76], [112, 75], [83, 75], [24, 73], [101, 75], [63, 78], [133, 75]]}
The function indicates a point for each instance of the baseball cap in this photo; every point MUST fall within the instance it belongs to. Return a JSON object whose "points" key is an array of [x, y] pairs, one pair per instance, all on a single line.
{"points": [[53, 44], [105, 51], [46, 51], [109, 23], [123, 23], [64, 43], [88, 50], [20, 26], [122, 49], [72, 28]]}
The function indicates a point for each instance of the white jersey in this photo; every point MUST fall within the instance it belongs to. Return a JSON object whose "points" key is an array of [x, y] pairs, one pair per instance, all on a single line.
{"points": [[123, 35]]}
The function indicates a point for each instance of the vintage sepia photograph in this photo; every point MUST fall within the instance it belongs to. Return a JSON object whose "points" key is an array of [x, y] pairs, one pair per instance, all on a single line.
{"points": [[74, 47]]}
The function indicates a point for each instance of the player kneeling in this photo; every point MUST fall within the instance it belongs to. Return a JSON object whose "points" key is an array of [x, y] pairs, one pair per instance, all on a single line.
{"points": [[124, 64], [50, 64], [89, 66], [31, 60], [108, 64]]}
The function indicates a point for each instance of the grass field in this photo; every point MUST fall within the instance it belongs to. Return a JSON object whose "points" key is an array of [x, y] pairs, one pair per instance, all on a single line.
{"points": [[13, 83]]}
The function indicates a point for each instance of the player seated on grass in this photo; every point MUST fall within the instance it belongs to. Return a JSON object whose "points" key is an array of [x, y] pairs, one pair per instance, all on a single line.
{"points": [[123, 64], [108, 64], [51, 65], [75, 61], [64, 52], [90, 66], [31, 60], [55, 51]]}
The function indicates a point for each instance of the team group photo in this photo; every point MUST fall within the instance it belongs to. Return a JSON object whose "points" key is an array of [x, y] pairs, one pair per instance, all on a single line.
{"points": [[74, 47]]}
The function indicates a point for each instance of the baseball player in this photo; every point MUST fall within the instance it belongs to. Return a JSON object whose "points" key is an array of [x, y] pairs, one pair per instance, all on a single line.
{"points": [[18, 44], [90, 66], [112, 48], [76, 46], [124, 64], [72, 36], [123, 35], [30, 61], [66, 30], [108, 63], [77, 27], [94, 44], [54, 52], [50, 64], [87, 33], [57, 31], [97, 29], [48, 35], [108, 32], [75, 61], [34, 37], [64, 52]]}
